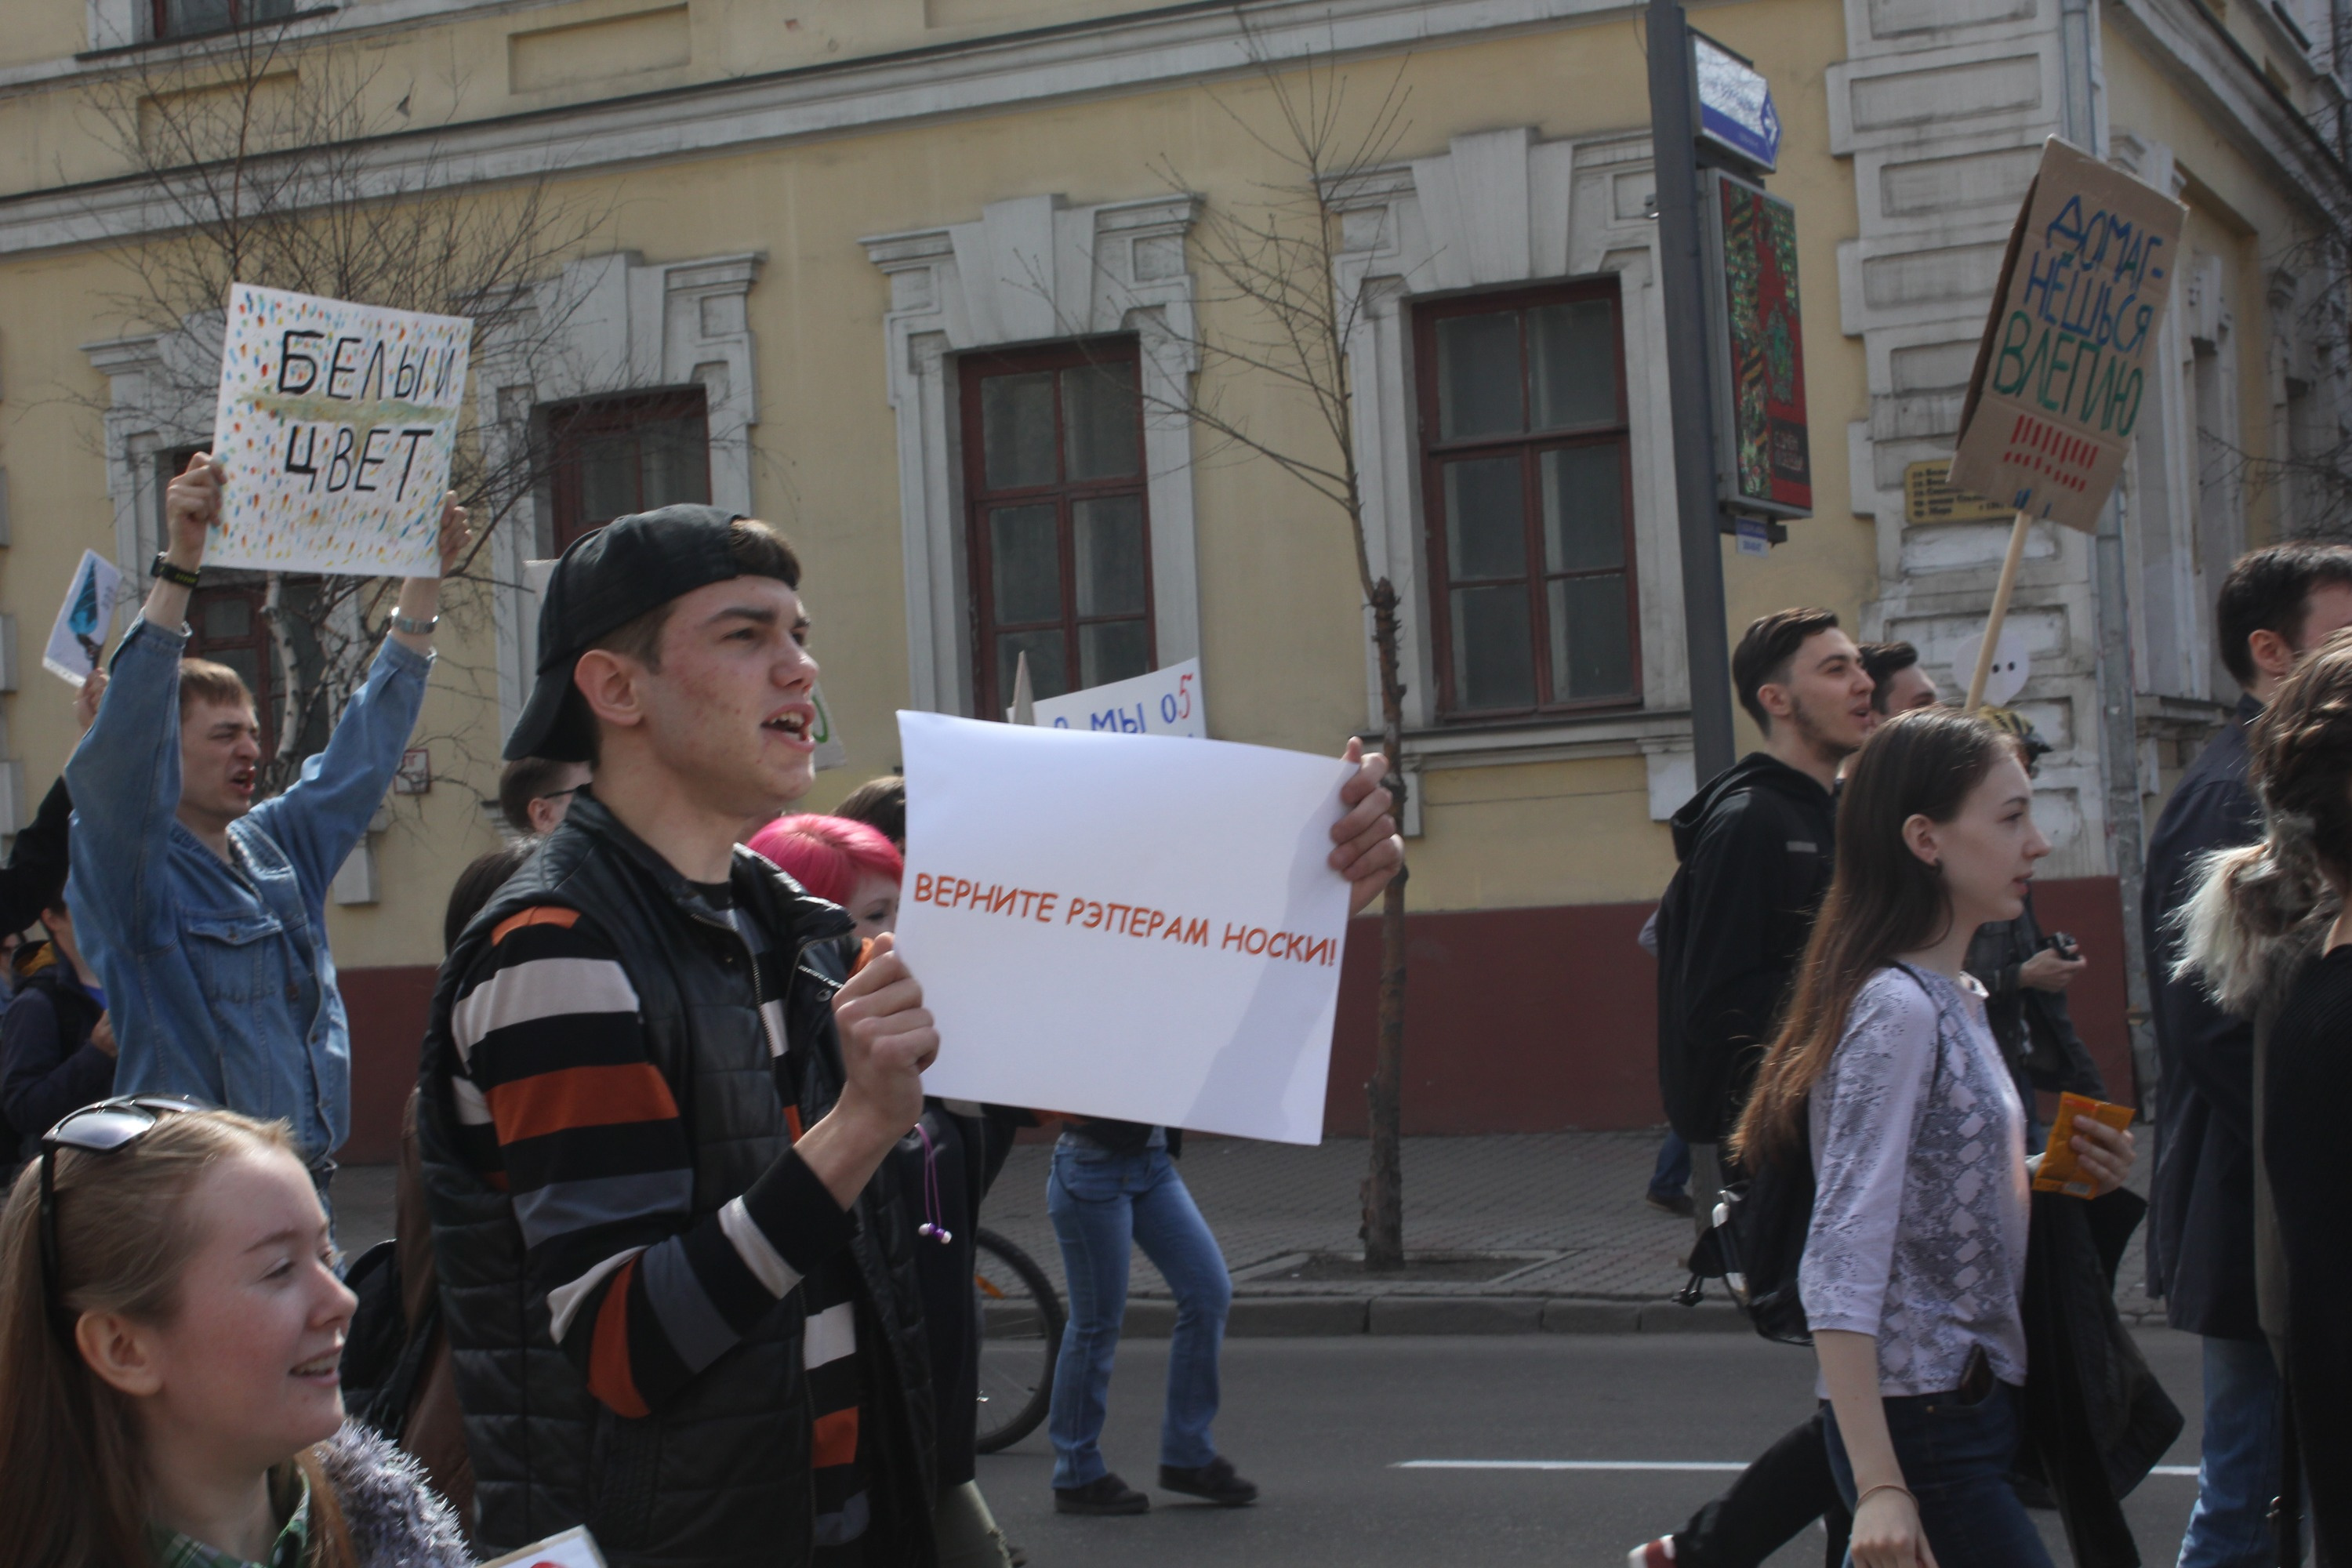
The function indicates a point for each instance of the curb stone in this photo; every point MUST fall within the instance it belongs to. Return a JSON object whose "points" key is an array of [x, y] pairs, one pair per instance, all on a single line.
{"points": [[1293, 1316]]}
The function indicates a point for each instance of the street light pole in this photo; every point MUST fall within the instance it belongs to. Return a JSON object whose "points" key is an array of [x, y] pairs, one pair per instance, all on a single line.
{"points": [[1681, 280]]}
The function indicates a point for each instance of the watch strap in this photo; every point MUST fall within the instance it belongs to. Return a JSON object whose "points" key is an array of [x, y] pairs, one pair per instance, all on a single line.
{"points": [[180, 576], [413, 627]]}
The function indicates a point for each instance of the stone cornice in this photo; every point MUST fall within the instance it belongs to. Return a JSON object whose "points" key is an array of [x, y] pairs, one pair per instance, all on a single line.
{"points": [[1136, 53]]}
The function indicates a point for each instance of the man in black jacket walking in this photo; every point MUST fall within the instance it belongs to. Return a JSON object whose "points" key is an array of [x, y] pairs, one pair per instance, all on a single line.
{"points": [[2276, 605], [1755, 844]]}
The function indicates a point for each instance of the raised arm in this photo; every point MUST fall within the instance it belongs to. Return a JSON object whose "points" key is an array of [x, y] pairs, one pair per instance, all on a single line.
{"points": [[323, 815], [124, 777]]}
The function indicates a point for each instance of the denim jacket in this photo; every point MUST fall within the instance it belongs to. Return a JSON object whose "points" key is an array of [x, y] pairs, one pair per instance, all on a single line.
{"points": [[219, 975]]}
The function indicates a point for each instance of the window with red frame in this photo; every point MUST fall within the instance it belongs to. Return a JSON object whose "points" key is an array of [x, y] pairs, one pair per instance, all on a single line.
{"points": [[189, 18], [1056, 520], [609, 456], [1525, 475]]}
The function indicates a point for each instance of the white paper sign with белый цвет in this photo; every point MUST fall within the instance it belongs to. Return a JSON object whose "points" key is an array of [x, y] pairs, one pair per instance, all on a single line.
{"points": [[334, 428], [1139, 927]]}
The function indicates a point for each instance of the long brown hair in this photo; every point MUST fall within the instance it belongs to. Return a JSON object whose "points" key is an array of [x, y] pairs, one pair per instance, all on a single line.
{"points": [[73, 1479], [2256, 908], [1883, 901]]}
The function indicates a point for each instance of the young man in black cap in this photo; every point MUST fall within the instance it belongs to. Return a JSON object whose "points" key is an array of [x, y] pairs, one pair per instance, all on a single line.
{"points": [[677, 1278]]}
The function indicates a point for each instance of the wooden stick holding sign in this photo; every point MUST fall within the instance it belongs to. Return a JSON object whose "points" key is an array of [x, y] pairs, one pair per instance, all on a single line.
{"points": [[2064, 365], [2000, 595]]}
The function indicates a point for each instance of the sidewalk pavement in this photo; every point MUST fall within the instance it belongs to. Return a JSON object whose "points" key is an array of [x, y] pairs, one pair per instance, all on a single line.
{"points": [[1512, 1234]]}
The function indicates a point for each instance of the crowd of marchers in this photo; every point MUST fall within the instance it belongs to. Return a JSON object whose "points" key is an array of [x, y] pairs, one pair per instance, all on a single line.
{"points": [[684, 1253], [1857, 1006]]}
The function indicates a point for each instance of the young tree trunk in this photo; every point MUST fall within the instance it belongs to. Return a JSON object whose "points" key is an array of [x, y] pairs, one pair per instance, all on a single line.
{"points": [[1384, 1226]]}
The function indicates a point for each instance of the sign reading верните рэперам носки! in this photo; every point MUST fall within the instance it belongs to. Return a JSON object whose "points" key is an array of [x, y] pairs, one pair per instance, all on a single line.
{"points": [[1127, 925], [335, 426]]}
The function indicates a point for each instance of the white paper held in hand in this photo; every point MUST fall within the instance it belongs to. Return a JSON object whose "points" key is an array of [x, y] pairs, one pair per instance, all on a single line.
{"points": [[78, 640], [1165, 702], [573, 1548], [1129, 926]]}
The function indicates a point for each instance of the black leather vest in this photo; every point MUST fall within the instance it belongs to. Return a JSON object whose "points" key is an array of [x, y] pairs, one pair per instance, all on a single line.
{"points": [[719, 1475]]}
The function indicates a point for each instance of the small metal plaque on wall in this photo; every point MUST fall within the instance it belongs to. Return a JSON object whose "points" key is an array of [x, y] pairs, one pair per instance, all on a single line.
{"points": [[1929, 497]]}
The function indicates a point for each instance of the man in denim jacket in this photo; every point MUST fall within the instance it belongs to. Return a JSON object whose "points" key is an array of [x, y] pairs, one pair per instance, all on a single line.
{"points": [[204, 913]]}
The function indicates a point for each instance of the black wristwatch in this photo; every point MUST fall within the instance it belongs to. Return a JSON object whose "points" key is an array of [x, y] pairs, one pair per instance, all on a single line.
{"points": [[177, 576]]}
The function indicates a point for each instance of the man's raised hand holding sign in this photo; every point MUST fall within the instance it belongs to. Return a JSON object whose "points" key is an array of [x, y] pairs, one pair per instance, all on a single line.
{"points": [[203, 909]]}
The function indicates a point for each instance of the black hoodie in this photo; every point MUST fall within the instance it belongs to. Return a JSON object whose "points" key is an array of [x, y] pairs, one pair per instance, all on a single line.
{"points": [[1755, 845]]}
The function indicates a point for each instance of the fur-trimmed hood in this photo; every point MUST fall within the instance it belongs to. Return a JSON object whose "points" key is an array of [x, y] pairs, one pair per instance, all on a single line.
{"points": [[2239, 968], [396, 1520]]}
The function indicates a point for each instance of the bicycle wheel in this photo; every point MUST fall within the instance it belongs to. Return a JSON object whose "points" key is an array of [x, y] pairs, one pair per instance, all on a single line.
{"points": [[1020, 1338]]}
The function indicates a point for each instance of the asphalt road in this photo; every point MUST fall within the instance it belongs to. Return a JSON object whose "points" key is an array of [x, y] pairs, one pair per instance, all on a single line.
{"points": [[1321, 1425]]}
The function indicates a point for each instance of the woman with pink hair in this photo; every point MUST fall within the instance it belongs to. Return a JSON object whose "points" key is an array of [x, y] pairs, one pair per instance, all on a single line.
{"points": [[841, 861]]}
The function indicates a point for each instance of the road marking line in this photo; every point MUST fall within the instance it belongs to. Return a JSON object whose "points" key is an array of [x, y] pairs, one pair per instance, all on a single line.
{"points": [[1705, 1466]]}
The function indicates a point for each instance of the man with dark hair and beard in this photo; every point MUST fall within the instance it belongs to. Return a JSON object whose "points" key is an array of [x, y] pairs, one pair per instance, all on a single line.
{"points": [[1755, 845]]}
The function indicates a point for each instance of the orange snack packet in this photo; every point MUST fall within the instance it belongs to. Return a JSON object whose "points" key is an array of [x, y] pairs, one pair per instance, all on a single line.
{"points": [[2061, 1172]]}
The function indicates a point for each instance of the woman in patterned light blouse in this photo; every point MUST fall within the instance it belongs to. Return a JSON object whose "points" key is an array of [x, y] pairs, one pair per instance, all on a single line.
{"points": [[1915, 1262]]}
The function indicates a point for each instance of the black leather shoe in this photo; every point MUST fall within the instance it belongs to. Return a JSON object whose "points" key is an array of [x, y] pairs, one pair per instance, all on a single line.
{"points": [[1214, 1480], [1106, 1494]]}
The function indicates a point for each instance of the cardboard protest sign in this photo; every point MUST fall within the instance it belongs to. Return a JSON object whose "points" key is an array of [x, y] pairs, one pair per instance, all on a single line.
{"points": [[335, 424], [2062, 370], [1106, 926], [78, 639], [1164, 702]]}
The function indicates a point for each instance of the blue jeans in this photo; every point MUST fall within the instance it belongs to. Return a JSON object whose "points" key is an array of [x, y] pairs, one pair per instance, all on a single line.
{"points": [[2239, 1476], [1673, 1171], [1955, 1460], [1102, 1203]]}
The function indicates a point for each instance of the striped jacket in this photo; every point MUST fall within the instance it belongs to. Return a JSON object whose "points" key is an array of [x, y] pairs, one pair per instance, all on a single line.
{"points": [[627, 1245]]}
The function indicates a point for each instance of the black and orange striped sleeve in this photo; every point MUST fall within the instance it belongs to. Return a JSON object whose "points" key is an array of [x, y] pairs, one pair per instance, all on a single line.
{"points": [[559, 1093]]}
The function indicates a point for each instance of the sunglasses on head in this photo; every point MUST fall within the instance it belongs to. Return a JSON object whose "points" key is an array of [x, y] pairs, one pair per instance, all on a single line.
{"points": [[99, 1129]]}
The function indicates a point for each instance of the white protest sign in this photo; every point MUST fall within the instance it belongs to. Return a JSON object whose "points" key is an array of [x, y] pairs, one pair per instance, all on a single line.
{"points": [[573, 1548], [1129, 926], [78, 639], [335, 424], [1164, 702]]}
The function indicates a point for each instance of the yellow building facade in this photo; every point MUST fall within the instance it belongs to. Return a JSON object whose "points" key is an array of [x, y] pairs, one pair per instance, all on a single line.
{"points": [[820, 251]]}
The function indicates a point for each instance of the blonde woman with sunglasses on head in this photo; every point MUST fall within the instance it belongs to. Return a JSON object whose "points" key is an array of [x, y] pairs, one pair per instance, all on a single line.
{"points": [[170, 1327]]}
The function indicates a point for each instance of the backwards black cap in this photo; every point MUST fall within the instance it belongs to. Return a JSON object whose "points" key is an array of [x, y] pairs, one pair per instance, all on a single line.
{"points": [[631, 566]]}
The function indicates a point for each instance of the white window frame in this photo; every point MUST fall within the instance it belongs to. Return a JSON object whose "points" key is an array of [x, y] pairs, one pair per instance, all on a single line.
{"points": [[629, 326], [1032, 271], [1502, 210]]}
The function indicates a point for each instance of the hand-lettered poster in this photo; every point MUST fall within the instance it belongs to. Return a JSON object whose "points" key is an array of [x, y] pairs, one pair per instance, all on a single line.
{"points": [[1142, 927], [335, 425], [2062, 373], [1165, 702], [78, 639], [1763, 446]]}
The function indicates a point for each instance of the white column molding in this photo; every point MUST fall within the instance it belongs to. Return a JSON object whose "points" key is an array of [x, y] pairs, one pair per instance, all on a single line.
{"points": [[153, 406], [1032, 270], [1501, 208], [621, 325]]}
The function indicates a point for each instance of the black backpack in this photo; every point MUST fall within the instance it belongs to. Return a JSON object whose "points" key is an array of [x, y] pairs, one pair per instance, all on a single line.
{"points": [[382, 1359], [1758, 1240]]}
